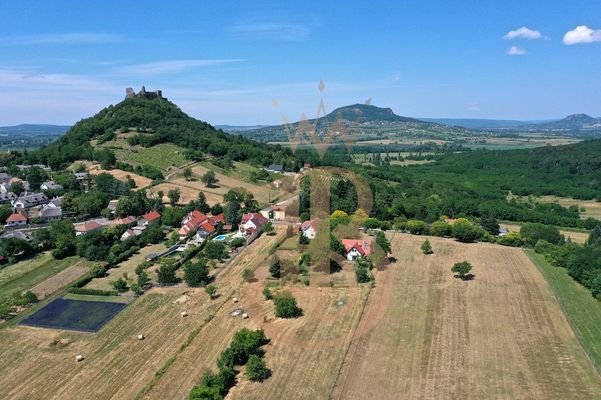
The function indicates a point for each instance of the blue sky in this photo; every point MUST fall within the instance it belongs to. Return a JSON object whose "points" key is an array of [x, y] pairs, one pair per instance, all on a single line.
{"points": [[260, 62]]}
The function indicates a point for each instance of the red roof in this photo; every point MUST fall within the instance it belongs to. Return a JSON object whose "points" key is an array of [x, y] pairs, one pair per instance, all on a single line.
{"points": [[196, 216], [362, 246], [257, 219], [307, 224], [16, 218], [218, 219], [126, 220], [207, 226], [307, 165], [151, 216], [88, 226]]}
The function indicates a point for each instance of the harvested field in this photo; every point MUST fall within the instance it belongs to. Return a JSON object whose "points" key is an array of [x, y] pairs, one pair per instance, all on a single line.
{"points": [[59, 281], [166, 364], [141, 181], [427, 335]]}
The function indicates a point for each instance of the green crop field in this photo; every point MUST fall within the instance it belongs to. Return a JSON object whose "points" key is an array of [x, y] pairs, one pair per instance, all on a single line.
{"points": [[582, 310]]}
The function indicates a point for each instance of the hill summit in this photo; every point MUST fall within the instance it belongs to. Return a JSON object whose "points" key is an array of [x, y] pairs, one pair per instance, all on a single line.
{"points": [[361, 113], [147, 119]]}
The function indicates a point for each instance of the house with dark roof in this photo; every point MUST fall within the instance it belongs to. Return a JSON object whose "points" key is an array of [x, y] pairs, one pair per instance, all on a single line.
{"points": [[50, 185], [28, 200], [7, 197], [277, 168], [49, 214]]}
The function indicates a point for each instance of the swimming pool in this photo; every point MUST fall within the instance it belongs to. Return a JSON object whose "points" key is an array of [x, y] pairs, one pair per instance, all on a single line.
{"points": [[220, 237]]}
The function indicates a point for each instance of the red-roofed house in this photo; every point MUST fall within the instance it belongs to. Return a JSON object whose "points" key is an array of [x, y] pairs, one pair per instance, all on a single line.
{"points": [[356, 248], [125, 221], [309, 229], [16, 219], [89, 226], [202, 224], [251, 226], [149, 218]]}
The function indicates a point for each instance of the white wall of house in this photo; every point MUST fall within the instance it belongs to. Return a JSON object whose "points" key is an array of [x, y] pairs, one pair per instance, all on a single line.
{"points": [[310, 233], [352, 254]]}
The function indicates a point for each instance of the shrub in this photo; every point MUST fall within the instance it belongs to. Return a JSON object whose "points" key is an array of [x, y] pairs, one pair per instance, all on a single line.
{"points": [[532, 233], [427, 247], [248, 275], [285, 306], [93, 292], [267, 294], [512, 239], [120, 285], [256, 369]]}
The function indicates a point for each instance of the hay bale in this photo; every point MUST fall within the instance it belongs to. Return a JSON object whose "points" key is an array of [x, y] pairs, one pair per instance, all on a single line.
{"points": [[141, 337], [184, 314], [245, 316], [235, 300], [79, 358]]}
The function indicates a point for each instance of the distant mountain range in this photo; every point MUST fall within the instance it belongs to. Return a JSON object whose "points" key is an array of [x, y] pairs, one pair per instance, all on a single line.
{"points": [[361, 122], [34, 130], [574, 122]]}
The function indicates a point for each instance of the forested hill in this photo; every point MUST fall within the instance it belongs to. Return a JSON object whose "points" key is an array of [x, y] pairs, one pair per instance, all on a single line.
{"points": [[572, 170], [149, 122]]}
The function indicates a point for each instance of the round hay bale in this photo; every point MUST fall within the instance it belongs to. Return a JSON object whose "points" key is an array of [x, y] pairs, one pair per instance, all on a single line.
{"points": [[79, 358], [245, 315], [184, 314], [141, 337], [235, 300]]}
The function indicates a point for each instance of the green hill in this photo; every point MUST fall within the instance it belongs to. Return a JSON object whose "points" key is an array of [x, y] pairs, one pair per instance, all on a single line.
{"points": [[148, 123]]}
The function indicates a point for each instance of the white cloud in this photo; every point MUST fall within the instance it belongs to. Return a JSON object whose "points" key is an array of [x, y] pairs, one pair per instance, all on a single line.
{"points": [[76, 38], [523, 33], [582, 34], [270, 31], [474, 106], [169, 66], [516, 51]]}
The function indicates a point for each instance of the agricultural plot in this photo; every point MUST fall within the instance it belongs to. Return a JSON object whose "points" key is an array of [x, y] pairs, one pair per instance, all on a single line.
{"points": [[141, 181], [163, 156], [575, 236], [78, 315], [190, 189], [427, 335], [40, 363], [27, 274]]}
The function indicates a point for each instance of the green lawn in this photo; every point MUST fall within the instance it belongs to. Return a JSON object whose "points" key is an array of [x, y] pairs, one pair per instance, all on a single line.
{"points": [[582, 310], [289, 244], [26, 274], [161, 156]]}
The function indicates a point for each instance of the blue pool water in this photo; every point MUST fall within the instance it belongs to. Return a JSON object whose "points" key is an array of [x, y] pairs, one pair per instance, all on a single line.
{"points": [[220, 237]]}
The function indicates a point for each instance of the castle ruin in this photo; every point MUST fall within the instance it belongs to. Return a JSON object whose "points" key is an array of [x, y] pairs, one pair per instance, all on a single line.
{"points": [[129, 93]]}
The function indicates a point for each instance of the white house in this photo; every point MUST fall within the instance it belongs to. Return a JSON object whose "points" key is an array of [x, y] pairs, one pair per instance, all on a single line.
{"points": [[309, 229], [131, 233], [356, 248], [16, 219], [50, 185], [28, 200], [49, 214], [251, 226]]}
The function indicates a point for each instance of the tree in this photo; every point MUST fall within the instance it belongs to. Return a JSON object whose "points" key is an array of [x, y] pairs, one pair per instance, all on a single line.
{"points": [[5, 212], [203, 206], [267, 294], [174, 195], [215, 250], [196, 274], [268, 229], [237, 242], [15, 248], [441, 228], [275, 269], [490, 224], [533, 232], [211, 290], [256, 369], [427, 247], [143, 278], [248, 275], [285, 306], [464, 231], [205, 393], [17, 188], [383, 242], [188, 174], [166, 274], [120, 285], [462, 269], [209, 178]]}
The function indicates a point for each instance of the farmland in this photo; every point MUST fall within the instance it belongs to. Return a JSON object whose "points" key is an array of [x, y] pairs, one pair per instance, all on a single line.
{"points": [[141, 181], [189, 189], [27, 274], [501, 335], [576, 236], [164, 365]]}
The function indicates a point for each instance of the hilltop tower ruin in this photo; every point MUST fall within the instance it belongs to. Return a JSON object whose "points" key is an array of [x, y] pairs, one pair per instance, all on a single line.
{"points": [[129, 93]]}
